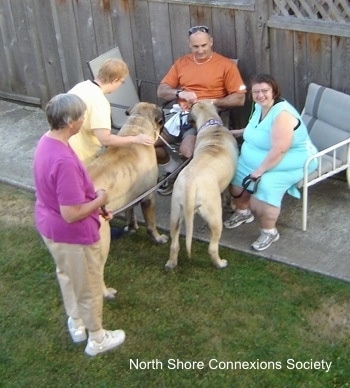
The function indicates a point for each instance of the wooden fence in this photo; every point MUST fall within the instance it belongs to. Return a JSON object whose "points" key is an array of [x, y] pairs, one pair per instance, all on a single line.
{"points": [[45, 44]]}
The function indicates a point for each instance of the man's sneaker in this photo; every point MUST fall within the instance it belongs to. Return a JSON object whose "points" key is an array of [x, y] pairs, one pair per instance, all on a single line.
{"points": [[79, 334], [238, 219], [111, 340], [167, 187], [265, 240]]}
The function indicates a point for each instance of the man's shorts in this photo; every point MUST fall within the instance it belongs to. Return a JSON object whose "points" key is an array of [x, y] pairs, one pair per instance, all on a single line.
{"points": [[183, 134]]}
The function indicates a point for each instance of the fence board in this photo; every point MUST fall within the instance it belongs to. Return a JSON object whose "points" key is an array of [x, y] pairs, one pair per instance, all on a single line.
{"points": [[4, 68], [102, 25], [26, 69], [261, 34], [12, 48], [68, 43], [86, 33], [48, 47], [121, 25], [340, 64], [159, 19], [143, 48], [6, 17], [35, 55], [282, 61], [246, 44], [162, 54], [224, 32], [319, 58], [301, 69], [200, 15], [180, 21]]}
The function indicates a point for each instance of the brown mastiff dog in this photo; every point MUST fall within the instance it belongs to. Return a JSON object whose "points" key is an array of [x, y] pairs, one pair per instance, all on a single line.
{"points": [[198, 187], [127, 172]]}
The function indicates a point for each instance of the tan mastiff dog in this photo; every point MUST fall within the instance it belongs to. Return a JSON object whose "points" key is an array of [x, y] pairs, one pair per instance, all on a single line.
{"points": [[198, 187], [127, 172]]}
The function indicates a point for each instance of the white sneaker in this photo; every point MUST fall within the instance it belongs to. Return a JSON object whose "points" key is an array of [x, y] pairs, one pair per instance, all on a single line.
{"points": [[238, 219], [111, 340], [77, 334], [265, 240]]}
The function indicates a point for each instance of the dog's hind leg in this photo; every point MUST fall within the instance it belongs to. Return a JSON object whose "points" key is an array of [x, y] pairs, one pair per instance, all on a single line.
{"points": [[215, 226], [214, 247], [175, 224], [105, 242], [131, 221], [148, 211]]}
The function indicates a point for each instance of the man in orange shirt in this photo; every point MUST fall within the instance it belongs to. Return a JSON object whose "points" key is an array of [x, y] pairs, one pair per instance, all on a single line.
{"points": [[202, 74]]}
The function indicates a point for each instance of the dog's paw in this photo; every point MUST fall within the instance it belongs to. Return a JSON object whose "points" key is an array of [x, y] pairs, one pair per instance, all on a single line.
{"points": [[109, 293], [170, 264], [158, 238], [162, 239], [221, 264], [130, 230]]}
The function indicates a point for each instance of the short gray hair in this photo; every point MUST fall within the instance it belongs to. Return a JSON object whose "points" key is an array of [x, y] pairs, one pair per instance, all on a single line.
{"points": [[64, 108]]}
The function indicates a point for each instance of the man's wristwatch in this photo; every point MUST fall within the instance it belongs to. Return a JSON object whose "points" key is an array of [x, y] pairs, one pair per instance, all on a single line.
{"points": [[178, 92]]}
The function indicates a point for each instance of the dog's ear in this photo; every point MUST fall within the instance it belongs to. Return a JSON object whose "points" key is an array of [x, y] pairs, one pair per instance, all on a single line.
{"points": [[129, 110], [159, 116], [191, 120]]}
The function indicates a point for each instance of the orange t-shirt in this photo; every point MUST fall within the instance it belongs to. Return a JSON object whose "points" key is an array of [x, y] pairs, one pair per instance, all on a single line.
{"points": [[216, 78]]}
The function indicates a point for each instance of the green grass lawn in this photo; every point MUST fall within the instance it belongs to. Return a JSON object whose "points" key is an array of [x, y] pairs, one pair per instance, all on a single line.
{"points": [[254, 324]]}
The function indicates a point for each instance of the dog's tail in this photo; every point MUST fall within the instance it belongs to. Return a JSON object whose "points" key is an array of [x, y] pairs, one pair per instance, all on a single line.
{"points": [[189, 210]]}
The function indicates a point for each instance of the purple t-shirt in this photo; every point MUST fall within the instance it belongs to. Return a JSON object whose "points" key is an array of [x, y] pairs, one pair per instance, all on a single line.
{"points": [[61, 179]]}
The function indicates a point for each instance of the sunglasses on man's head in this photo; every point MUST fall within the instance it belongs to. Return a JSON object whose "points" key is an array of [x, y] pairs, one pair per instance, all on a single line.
{"points": [[194, 29]]}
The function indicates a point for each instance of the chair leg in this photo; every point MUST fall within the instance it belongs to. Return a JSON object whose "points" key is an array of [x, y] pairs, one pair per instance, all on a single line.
{"points": [[305, 193], [348, 176]]}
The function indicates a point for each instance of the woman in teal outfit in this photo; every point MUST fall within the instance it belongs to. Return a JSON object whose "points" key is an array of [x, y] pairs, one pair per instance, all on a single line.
{"points": [[275, 147]]}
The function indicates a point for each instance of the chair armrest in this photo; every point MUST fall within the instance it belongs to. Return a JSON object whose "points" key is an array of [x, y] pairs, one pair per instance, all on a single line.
{"points": [[333, 149]]}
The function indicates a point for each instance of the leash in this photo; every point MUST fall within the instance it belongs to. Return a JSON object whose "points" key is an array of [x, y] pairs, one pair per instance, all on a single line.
{"points": [[245, 184], [148, 192], [172, 148]]}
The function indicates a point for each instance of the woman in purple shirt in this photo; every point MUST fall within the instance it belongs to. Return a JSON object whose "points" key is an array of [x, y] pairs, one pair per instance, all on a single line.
{"points": [[67, 212]]}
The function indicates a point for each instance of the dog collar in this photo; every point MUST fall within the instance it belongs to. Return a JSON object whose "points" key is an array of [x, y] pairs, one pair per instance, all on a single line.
{"points": [[210, 122]]}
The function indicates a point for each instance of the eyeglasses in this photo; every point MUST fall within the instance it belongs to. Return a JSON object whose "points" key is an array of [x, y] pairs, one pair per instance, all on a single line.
{"points": [[263, 91], [194, 29]]}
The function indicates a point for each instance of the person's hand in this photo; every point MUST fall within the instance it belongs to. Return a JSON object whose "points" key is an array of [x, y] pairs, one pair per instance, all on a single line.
{"points": [[102, 195], [106, 214], [185, 105], [256, 174], [190, 97], [236, 132], [143, 139]]}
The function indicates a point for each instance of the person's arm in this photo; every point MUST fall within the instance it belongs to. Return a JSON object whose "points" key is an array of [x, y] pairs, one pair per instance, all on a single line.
{"points": [[231, 100], [237, 132], [106, 138], [74, 213], [167, 93], [234, 86], [281, 140]]}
